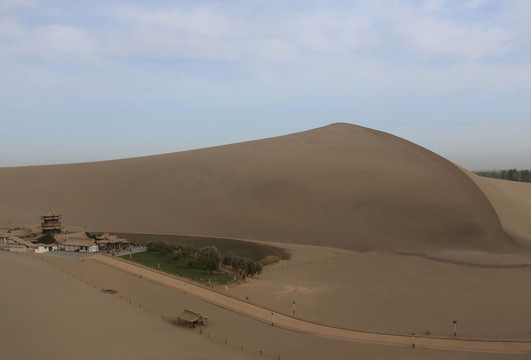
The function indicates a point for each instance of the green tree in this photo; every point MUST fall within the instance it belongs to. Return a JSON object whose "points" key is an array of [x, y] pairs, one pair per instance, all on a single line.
{"points": [[159, 246], [211, 265], [210, 253], [46, 239], [252, 268]]}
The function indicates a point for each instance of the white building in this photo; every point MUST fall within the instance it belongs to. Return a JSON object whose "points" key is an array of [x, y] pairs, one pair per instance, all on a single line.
{"points": [[42, 248]]}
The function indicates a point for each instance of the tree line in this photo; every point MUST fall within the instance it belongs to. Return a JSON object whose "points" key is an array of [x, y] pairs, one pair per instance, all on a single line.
{"points": [[511, 174], [209, 257]]}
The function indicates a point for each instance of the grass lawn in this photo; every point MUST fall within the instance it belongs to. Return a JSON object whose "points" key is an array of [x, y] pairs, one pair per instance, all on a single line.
{"points": [[180, 267]]}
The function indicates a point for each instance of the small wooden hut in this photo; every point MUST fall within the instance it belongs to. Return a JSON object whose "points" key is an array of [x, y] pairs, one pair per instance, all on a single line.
{"points": [[193, 318]]}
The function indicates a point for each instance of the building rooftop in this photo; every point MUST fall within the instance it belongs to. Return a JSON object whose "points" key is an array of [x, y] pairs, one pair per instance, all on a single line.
{"points": [[50, 213]]}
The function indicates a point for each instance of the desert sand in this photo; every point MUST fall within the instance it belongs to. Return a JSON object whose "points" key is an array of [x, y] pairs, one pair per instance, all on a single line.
{"points": [[72, 319], [341, 185], [512, 202], [385, 236]]}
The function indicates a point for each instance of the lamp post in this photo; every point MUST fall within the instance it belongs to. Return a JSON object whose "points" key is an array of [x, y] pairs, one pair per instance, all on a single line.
{"points": [[455, 327], [272, 314], [185, 288], [294, 308], [413, 334]]}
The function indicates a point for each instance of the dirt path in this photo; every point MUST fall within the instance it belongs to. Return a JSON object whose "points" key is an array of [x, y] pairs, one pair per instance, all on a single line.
{"points": [[287, 321]]}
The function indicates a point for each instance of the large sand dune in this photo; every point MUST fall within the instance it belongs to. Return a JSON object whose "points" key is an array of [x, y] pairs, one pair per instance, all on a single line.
{"points": [[341, 186]]}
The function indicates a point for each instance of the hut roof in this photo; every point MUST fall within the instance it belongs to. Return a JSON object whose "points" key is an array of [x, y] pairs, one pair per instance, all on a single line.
{"points": [[191, 316]]}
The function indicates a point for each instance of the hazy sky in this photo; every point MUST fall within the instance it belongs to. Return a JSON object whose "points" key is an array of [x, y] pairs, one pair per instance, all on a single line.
{"points": [[94, 80]]}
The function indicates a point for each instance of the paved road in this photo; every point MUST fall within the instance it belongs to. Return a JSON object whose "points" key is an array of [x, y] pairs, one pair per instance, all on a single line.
{"points": [[287, 321]]}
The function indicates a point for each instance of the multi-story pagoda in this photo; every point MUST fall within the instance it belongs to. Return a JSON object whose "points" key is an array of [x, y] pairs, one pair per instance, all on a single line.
{"points": [[51, 223]]}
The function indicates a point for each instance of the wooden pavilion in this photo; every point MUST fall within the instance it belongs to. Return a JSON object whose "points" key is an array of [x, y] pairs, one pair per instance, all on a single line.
{"points": [[51, 223]]}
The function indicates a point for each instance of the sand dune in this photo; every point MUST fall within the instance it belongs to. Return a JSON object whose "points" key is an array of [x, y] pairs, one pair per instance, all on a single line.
{"points": [[341, 186], [512, 201]]}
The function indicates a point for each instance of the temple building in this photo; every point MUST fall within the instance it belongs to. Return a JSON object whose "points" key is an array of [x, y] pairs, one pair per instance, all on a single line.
{"points": [[111, 242], [51, 223], [78, 242]]}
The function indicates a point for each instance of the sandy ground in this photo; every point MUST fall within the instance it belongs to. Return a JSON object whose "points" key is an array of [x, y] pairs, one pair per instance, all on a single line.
{"points": [[276, 318], [47, 314], [52, 310], [341, 185], [397, 293]]}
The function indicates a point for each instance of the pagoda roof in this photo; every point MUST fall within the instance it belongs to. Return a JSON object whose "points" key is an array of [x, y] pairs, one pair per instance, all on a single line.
{"points": [[51, 213]]}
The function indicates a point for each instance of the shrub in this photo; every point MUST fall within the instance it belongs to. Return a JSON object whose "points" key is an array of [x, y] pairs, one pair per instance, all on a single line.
{"points": [[92, 236], [252, 268], [228, 259], [46, 239], [268, 260], [160, 247]]}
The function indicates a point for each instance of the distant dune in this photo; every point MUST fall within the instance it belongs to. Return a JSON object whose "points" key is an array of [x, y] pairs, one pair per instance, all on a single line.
{"points": [[512, 201], [341, 185]]}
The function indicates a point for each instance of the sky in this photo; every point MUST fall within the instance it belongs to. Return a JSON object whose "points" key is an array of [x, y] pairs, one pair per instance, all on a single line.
{"points": [[96, 80]]}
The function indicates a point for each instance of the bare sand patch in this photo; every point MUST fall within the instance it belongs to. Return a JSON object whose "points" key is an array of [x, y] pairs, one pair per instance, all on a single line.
{"points": [[397, 293]]}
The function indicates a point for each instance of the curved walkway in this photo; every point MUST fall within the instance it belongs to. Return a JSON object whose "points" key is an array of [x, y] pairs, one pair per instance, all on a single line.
{"points": [[287, 321]]}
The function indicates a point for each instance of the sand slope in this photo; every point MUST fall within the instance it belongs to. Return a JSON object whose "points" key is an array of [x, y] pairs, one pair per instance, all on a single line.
{"points": [[341, 185], [512, 201]]}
